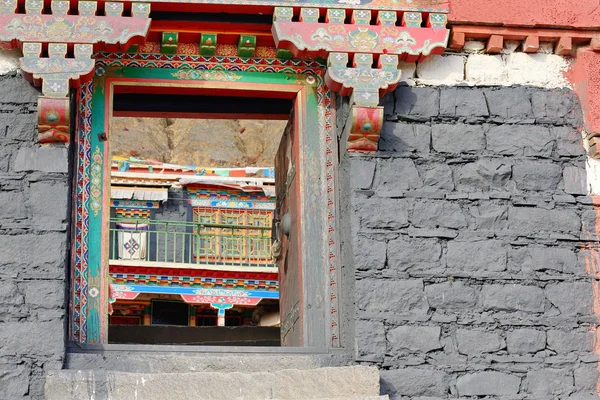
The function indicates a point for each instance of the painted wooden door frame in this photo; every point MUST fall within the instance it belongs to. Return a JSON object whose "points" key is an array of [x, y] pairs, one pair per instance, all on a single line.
{"points": [[318, 160]]}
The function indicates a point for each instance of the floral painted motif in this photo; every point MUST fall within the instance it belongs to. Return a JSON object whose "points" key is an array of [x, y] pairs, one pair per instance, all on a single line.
{"points": [[226, 76], [96, 182]]}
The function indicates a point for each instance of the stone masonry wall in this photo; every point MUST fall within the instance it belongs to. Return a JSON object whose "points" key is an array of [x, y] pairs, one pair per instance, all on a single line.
{"points": [[34, 193], [469, 234]]}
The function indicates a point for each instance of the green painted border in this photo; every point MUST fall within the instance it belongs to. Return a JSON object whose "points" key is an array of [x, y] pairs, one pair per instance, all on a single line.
{"points": [[97, 275]]}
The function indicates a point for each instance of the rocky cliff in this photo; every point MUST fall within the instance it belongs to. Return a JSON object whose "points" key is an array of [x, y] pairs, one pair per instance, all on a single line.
{"points": [[201, 142]]}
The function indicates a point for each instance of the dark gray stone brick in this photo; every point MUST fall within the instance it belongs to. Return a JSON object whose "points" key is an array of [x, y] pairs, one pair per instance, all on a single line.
{"points": [[586, 378], [405, 296], [421, 339], [370, 340], [571, 298], [376, 213], [575, 180], [9, 294], [474, 257], [415, 382], [523, 341], [462, 102], [483, 175], [529, 220], [550, 382], [16, 127], [15, 89], [14, 381], [45, 159], [474, 343], [451, 296], [488, 383], [397, 175], [44, 294], [362, 173], [489, 217], [513, 298], [438, 213], [530, 259], [12, 206], [558, 106], [569, 142], [405, 138], [566, 342], [520, 140], [49, 202], [537, 175], [436, 176], [405, 254], [31, 339], [49, 249], [419, 104], [457, 138], [369, 254], [512, 104]]}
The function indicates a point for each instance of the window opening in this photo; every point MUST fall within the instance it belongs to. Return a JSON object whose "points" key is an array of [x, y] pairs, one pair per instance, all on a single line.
{"points": [[191, 231]]}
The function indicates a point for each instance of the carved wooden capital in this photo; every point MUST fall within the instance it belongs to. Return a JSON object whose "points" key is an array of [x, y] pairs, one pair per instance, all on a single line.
{"points": [[365, 83]]}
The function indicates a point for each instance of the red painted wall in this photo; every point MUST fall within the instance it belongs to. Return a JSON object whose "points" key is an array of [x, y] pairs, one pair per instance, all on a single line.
{"points": [[585, 77], [583, 14]]}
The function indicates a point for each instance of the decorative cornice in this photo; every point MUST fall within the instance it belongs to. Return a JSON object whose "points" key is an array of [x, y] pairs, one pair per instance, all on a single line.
{"points": [[564, 39]]}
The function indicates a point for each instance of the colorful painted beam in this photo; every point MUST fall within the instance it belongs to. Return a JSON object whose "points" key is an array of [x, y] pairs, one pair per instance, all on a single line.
{"points": [[436, 6], [310, 38], [195, 295]]}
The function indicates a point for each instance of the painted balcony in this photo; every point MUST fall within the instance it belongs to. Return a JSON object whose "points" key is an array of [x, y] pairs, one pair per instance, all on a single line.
{"points": [[195, 245]]}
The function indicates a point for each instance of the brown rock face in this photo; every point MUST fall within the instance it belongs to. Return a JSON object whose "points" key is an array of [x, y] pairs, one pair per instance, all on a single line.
{"points": [[200, 142]]}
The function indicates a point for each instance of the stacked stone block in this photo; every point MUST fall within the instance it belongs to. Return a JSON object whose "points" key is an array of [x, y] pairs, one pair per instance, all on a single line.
{"points": [[469, 234], [34, 197]]}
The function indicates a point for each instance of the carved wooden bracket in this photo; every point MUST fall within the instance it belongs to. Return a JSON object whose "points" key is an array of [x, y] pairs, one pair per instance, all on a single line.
{"points": [[58, 34], [397, 35], [308, 37], [365, 85]]}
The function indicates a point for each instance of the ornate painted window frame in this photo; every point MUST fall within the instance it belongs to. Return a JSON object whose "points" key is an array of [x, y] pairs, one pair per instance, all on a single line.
{"points": [[88, 300]]}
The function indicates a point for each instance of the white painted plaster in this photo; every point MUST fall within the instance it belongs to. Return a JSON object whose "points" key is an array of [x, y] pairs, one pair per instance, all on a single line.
{"points": [[483, 69], [441, 70], [473, 45], [9, 61], [408, 72], [540, 70], [545, 70]]}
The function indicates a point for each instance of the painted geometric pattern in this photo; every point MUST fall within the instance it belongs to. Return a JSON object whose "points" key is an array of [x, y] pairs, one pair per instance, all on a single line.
{"points": [[80, 243], [326, 123], [194, 281], [132, 213]]}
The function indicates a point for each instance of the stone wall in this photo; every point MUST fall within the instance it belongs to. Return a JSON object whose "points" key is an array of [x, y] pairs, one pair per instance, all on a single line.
{"points": [[468, 237], [34, 194]]}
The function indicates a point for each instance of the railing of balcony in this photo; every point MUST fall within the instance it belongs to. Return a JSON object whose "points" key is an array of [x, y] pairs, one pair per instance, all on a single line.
{"points": [[190, 243]]}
